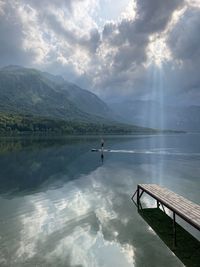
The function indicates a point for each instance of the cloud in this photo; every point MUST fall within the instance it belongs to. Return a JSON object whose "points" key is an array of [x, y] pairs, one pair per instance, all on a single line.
{"points": [[40, 34], [68, 4], [125, 44], [153, 16], [184, 41], [12, 37], [89, 41], [184, 38], [111, 59]]}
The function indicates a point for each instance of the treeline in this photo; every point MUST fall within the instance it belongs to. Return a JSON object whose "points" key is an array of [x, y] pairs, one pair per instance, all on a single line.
{"points": [[16, 124]]}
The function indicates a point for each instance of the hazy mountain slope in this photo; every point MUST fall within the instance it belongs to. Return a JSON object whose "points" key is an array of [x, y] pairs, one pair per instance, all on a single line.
{"points": [[186, 118], [84, 99], [87, 101], [29, 91], [152, 114]]}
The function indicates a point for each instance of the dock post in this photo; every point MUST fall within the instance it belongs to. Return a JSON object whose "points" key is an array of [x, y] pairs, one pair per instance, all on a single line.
{"points": [[138, 197], [174, 228]]}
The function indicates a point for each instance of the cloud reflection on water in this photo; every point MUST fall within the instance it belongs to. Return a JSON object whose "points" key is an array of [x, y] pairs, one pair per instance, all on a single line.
{"points": [[88, 222], [74, 222]]}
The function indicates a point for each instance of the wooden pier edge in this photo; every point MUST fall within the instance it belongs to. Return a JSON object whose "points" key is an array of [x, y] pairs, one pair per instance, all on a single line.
{"points": [[180, 206]]}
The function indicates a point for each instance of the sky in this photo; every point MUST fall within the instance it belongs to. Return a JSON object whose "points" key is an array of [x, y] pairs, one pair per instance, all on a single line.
{"points": [[139, 49]]}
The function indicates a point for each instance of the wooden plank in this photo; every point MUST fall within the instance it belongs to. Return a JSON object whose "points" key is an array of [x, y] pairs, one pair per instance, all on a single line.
{"points": [[177, 201], [172, 200], [183, 207]]}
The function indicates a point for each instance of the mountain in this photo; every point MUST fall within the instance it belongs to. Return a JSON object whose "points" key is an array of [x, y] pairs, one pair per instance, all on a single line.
{"points": [[87, 101], [32, 92], [35, 101], [154, 115], [185, 118]]}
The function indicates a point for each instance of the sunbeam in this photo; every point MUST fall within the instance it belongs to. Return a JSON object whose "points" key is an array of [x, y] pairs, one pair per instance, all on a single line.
{"points": [[155, 115]]}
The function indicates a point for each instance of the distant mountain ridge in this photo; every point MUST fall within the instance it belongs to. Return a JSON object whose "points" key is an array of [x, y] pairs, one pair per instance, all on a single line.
{"points": [[30, 91], [152, 114]]}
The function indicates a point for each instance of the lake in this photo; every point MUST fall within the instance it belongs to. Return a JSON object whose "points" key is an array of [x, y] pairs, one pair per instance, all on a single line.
{"points": [[63, 205]]}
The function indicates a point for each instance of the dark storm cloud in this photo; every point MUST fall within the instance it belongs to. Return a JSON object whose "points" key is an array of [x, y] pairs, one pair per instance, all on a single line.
{"points": [[129, 45], [130, 39], [184, 39], [153, 16], [130, 42], [184, 43], [129, 56]]}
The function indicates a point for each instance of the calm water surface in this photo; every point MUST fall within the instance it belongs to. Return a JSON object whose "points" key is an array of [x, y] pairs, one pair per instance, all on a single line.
{"points": [[60, 205]]}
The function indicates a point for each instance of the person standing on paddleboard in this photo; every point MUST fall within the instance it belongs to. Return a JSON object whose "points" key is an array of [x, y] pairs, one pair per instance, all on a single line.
{"points": [[102, 143]]}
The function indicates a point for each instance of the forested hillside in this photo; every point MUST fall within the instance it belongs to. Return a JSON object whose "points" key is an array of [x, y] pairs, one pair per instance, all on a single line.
{"points": [[16, 124]]}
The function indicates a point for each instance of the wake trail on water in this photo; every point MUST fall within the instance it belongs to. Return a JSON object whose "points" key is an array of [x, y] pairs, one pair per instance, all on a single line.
{"points": [[156, 151]]}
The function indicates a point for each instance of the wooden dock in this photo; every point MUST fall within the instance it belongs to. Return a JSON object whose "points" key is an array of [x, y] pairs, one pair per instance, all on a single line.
{"points": [[184, 208]]}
